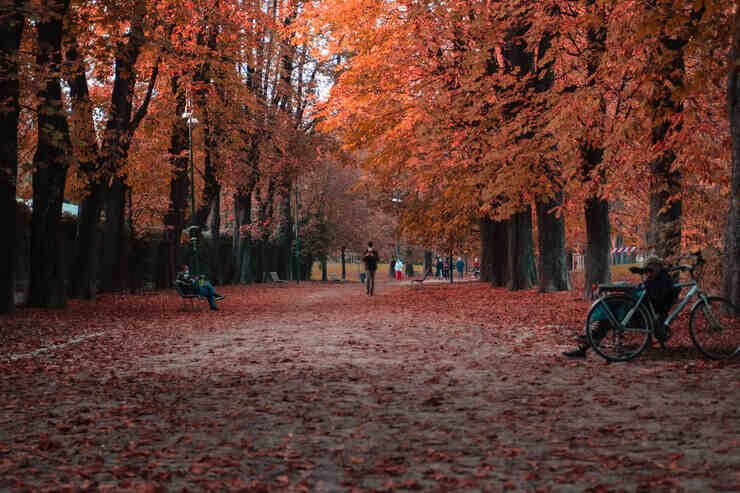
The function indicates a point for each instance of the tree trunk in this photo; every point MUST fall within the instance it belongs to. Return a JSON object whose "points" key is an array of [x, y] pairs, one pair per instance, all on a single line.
{"points": [[598, 243], [344, 265], [51, 162], [285, 237], [114, 273], [427, 262], [324, 269], [731, 269], [664, 235], [116, 143], [553, 265], [486, 250], [83, 284], [208, 216], [497, 251], [522, 269], [11, 30], [174, 220]]}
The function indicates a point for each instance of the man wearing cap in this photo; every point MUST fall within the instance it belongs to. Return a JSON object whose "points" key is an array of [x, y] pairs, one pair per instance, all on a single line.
{"points": [[659, 286]]}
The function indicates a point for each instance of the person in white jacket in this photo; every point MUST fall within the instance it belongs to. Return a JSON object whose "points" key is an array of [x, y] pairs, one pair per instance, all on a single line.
{"points": [[399, 270]]}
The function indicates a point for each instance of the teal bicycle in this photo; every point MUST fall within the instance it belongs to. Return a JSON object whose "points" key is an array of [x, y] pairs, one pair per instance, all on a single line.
{"points": [[622, 321]]}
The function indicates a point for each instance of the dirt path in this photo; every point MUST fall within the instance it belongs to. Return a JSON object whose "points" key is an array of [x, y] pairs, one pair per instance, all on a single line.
{"points": [[320, 388]]}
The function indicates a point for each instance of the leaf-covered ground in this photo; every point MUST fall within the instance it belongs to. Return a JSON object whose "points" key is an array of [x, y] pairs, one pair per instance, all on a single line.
{"points": [[321, 388]]}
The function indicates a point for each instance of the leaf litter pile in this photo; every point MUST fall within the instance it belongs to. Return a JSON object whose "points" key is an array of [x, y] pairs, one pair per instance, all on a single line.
{"points": [[318, 387]]}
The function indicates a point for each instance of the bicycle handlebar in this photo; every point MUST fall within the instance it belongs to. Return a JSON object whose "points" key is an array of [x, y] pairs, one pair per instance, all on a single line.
{"points": [[677, 268]]}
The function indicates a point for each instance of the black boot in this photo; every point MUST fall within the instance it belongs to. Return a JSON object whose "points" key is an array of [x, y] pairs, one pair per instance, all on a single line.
{"points": [[579, 352]]}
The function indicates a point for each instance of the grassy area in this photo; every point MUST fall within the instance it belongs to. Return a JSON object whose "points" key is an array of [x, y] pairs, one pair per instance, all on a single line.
{"points": [[619, 272]]}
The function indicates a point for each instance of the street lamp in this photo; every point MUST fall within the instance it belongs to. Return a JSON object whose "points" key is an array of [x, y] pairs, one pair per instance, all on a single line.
{"points": [[193, 229], [397, 200], [297, 240]]}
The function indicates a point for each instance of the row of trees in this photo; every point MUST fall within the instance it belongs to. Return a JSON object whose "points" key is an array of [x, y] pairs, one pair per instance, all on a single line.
{"points": [[612, 113], [93, 97], [468, 117]]}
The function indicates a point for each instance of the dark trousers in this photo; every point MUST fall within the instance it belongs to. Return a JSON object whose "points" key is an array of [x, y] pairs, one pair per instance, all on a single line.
{"points": [[206, 289], [370, 283]]}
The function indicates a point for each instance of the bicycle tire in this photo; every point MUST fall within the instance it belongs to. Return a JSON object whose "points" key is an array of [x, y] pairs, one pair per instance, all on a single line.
{"points": [[615, 344], [716, 341]]}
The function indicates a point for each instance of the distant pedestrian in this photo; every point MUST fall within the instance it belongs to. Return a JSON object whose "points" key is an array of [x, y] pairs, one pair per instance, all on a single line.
{"points": [[399, 270], [440, 267], [371, 260], [460, 266], [476, 267]]}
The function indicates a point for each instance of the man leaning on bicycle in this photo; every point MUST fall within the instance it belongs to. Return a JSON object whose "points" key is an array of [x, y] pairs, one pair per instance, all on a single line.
{"points": [[659, 286]]}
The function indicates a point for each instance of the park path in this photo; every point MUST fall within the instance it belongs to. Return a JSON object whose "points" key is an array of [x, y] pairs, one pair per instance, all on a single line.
{"points": [[321, 388]]}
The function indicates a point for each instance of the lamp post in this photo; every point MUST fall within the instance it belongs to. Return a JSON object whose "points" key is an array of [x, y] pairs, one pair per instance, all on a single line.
{"points": [[297, 240], [396, 199], [193, 229]]}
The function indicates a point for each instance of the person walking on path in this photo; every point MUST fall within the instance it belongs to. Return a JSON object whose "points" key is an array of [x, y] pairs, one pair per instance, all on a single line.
{"points": [[371, 265], [399, 270], [440, 267], [460, 266]]}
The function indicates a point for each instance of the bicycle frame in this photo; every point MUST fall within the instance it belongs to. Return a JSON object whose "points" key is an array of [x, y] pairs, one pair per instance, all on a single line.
{"points": [[685, 300], [651, 310]]}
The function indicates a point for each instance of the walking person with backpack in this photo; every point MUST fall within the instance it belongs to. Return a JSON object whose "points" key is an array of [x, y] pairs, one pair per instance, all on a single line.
{"points": [[371, 260]]}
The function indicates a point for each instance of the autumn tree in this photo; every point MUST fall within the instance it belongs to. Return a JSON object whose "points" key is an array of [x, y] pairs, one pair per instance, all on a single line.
{"points": [[50, 162], [732, 235], [12, 21]]}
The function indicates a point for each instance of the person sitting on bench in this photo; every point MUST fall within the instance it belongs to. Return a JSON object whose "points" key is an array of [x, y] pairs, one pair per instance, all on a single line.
{"points": [[202, 286]]}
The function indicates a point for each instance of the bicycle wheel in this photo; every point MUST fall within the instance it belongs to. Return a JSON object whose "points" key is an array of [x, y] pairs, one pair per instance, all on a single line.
{"points": [[608, 339], [715, 328]]}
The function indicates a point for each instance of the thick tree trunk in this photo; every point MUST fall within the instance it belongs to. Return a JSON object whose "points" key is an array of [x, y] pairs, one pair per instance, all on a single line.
{"points": [[731, 269], [174, 220], [51, 162], [598, 243], [344, 265], [241, 245], [522, 271], [497, 252], [324, 269], [553, 265], [114, 267], [116, 143], [427, 262], [664, 234], [11, 30], [486, 249], [285, 237], [83, 284], [87, 252]]}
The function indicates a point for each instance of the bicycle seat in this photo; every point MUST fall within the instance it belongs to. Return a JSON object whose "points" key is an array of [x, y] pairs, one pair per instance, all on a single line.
{"points": [[620, 286]]}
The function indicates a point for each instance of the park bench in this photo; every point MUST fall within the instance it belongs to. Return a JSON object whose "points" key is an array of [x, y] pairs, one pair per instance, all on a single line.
{"points": [[189, 294], [419, 283], [271, 277]]}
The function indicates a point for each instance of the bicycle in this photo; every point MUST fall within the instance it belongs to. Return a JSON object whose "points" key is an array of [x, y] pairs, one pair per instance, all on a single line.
{"points": [[631, 319]]}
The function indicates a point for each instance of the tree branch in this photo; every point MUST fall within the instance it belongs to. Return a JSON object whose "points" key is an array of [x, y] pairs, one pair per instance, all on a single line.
{"points": [[141, 112]]}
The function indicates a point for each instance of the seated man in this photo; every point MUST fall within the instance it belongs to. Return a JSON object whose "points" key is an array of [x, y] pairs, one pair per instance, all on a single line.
{"points": [[204, 287], [659, 286]]}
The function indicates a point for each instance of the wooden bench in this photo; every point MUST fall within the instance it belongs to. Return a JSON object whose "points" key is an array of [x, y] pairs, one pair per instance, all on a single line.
{"points": [[419, 283], [189, 294], [271, 277]]}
